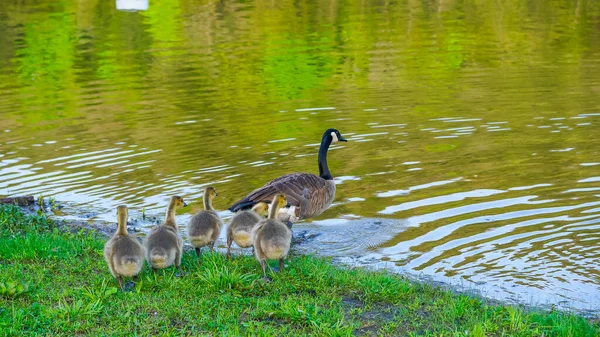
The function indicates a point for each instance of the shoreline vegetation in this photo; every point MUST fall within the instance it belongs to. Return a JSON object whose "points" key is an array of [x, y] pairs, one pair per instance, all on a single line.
{"points": [[56, 282]]}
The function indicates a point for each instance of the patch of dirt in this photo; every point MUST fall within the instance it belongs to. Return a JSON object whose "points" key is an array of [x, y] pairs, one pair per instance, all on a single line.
{"points": [[367, 330], [352, 302], [372, 319], [85, 226]]}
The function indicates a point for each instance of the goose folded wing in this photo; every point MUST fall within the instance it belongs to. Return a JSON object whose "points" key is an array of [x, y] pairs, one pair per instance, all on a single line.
{"points": [[296, 186]]}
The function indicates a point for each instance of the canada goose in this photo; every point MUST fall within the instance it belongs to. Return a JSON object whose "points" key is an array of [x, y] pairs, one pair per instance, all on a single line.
{"points": [[205, 226], [272, 239], [123, 253], [241, 225], [163, 245], [308, 194]]}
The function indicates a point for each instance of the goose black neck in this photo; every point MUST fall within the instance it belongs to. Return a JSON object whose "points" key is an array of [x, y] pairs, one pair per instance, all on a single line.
{"points": [[323, 168]]}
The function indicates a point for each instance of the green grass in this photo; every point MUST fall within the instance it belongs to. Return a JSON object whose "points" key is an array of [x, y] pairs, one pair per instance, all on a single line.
{"points": [[69, 291]]}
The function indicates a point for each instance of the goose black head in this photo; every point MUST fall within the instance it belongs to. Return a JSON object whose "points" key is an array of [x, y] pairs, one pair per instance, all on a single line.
{"points": [[335, 135]]}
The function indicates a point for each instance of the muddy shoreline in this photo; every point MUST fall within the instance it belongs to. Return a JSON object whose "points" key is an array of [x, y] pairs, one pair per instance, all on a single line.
{"points": [[315, 238]]}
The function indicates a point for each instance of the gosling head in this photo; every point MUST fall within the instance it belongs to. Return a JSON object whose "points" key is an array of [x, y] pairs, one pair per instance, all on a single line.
{"points": [[335, 135], [122, 220], [177, 202], [261, 208], [210, 192], [280, 201], [122, 211]]}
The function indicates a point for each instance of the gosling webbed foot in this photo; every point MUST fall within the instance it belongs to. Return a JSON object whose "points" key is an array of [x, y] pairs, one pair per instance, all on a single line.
{"points": [[279, 268], [129, 286], [180, 272]]}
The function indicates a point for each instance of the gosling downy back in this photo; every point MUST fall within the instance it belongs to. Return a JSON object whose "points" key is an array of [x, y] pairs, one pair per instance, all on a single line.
{"points": [[242, 225], [163, 245], [123, 253], [205, 226], [272, 239]]}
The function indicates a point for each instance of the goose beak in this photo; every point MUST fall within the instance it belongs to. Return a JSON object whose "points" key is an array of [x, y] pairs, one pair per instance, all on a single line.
{"points": [[184, 204], [342, 139], [288, 205]]}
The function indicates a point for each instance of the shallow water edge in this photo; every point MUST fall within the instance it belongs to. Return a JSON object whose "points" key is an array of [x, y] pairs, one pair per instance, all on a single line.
{"points": [[317, 239]]}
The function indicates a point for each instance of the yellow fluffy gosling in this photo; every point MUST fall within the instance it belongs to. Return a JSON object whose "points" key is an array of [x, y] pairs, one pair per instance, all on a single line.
{"points": [[205, 226], [272, 239], [242, 224], [163, 245], [123, 253]]}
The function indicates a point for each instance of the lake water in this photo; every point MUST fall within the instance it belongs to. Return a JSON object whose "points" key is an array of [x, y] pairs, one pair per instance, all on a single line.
{"points": [[473, 126]]}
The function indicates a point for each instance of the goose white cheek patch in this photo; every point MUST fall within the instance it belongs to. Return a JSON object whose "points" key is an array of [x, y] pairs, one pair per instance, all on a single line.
{"points": [[334, 136]]}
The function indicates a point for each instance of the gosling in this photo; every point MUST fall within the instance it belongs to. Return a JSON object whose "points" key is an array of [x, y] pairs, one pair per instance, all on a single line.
{"points": [[272, 239], [205, 226], [163, 245], [242, 224], [123, 253]]}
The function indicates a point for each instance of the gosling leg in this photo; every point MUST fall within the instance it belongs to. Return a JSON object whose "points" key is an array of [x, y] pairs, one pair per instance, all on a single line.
{"points": [[263, 264], [178, 260], [197, 252], [229, 242], [212, 246], [120, 280], [281, 265]]}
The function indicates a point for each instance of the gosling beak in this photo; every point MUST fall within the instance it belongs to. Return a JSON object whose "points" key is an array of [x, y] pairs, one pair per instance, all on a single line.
{"points": [[342, 139], [288, 205], [216, 194], [184, 204]]}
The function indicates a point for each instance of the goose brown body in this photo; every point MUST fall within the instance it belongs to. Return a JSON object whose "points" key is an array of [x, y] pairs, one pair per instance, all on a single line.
{"points": [[309, 194]]}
